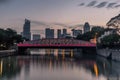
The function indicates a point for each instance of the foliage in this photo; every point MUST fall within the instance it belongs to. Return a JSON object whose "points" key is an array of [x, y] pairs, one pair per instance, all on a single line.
{"points": [[111, 39], [87, 36], [95, 31], [8, 37]]}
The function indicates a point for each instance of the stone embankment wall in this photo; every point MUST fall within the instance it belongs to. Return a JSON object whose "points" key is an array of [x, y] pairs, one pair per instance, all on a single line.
{"points": [[106, 52]]}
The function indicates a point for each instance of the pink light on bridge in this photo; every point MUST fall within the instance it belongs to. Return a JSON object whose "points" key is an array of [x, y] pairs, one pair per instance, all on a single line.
{"points": [[57, 43]]}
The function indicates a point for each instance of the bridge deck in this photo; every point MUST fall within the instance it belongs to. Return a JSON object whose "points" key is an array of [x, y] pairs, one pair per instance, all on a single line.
{"points": [[56, 43]]}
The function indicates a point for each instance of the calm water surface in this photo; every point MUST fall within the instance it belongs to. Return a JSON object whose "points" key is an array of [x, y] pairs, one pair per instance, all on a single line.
{"points": [[58, 64]]}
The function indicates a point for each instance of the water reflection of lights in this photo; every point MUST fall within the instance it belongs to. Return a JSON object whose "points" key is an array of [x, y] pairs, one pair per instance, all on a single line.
{"points": [[48, 51], [71, 53], [50, 65], [63, 54], [96, 69], [56, 53], [1, 67]]}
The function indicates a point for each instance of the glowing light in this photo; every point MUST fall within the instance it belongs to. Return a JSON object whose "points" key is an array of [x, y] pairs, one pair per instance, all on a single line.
{"points": [[1, 67], [56, 53], [94, 40], [63, 54], [48, 51], [96, 70], [71, 53]]}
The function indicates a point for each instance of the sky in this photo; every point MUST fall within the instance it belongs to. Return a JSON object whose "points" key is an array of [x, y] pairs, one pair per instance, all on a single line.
{"points": [[56, 13]]}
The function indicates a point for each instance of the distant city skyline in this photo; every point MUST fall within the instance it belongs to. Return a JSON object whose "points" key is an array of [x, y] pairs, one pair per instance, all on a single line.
{"points": [[58, 12]]}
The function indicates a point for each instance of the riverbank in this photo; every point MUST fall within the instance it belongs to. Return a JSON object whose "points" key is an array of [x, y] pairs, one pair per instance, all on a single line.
{"points": [[4, 53]]}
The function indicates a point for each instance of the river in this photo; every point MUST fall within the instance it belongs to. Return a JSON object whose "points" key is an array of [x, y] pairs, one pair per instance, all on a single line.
{"points": [[58, 64]]}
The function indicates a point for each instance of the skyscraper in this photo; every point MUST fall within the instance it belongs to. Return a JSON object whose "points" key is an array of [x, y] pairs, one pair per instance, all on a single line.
{"points": [[26, 30], [86, 27], [49, 33], [36, 36], [59, 33], [75, 33], [64, 31], [52, 33]]}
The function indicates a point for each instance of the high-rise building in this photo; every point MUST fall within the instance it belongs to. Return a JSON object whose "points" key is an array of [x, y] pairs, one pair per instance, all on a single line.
{"points": [[75, 33], [52, 33], [86, 27], [59, 33], [64, 31], [26, 29], [49, 33], [36, 36]]}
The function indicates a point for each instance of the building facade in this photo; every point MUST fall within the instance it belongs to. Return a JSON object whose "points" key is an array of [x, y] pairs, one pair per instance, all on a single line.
{"points": [[26, 30], [59, 33], [86, 27], [49, 33], [75, 33], [36, 36], [64, 31]]}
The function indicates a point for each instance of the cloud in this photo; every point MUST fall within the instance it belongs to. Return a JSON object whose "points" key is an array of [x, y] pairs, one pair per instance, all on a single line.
{"points": [[102, 4], [117, 6], [47, 25], [39, 23], [76, 26], [81, 4], [111, 5], [60, 24], [91, 3]]}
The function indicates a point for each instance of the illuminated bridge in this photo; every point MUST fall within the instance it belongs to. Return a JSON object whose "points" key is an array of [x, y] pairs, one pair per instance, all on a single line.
{"points": [[56, 43]]}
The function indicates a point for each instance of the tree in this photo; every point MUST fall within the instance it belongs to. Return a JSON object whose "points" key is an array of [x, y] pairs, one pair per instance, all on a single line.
{"points": [[111, 41], [91, 34], [86, 36], [8, 37]]}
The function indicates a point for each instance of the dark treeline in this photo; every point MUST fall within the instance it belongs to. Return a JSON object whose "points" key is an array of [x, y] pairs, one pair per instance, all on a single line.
{"points": [[8, 37], [95, 31], [111, 39]]}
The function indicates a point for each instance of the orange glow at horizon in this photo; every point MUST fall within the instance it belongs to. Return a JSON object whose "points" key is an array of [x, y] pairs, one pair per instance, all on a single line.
{"points": [[94, 40]]}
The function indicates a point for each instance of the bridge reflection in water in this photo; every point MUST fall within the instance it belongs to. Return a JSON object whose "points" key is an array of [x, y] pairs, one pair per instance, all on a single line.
{"points": [[56, 52], [48, 67]]}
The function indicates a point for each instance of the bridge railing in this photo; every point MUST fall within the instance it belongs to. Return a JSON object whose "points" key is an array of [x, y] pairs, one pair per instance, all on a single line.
{"points": [[57, 42]]}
